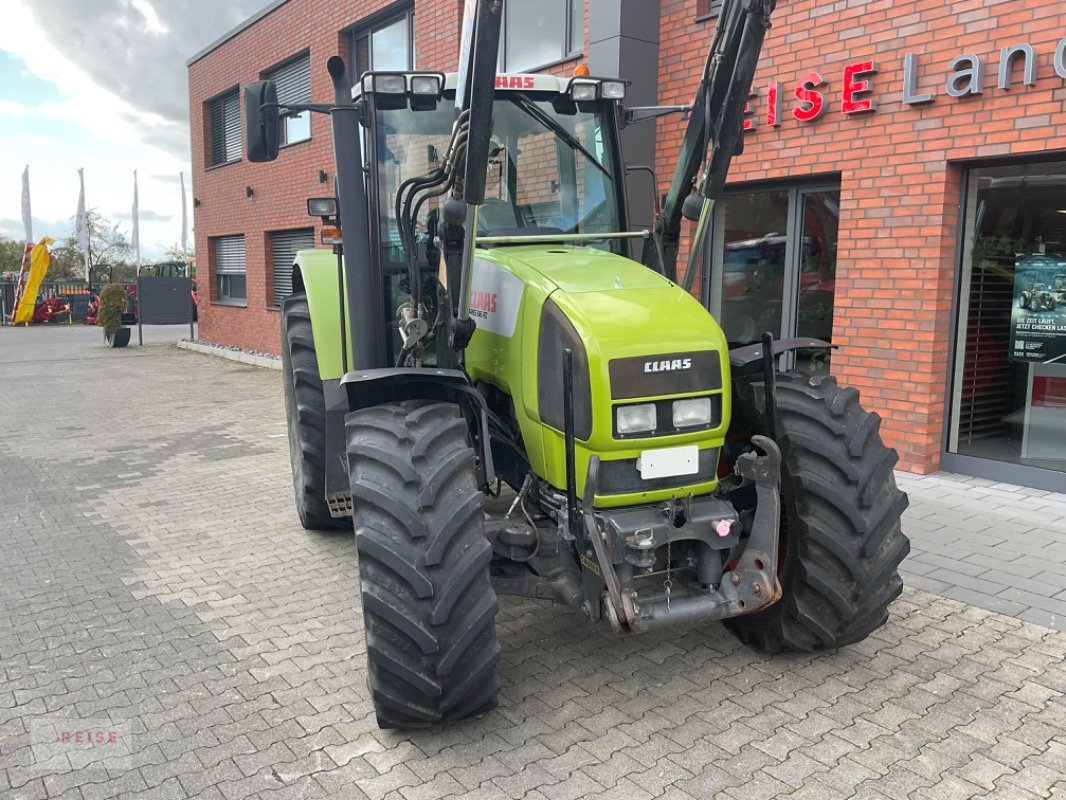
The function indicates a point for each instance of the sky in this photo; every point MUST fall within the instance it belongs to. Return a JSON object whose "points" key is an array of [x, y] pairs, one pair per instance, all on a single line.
{"points": [[102, 84]]}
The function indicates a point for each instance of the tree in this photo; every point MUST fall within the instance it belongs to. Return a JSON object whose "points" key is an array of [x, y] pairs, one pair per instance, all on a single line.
{"points": [[110, 253], [10, 255], [175, 253]]}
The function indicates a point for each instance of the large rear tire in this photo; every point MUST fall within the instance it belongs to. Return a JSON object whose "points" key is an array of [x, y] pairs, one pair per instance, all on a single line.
{"points": [[428, 605], [840, 528], [305, 413]]}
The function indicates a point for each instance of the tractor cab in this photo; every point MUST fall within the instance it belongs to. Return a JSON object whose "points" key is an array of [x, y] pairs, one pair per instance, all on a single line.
{"points": [[553, 168], [553, 162]]}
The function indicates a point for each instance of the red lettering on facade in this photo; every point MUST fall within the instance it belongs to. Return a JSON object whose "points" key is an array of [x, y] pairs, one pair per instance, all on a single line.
{"points": [[749, 118], [808, 94], [856, 84], [773, 104]]}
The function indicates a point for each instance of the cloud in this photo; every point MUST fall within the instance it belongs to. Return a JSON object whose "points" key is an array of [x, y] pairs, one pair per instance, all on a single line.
{"points": [[144, 215], [101, 85], [131, 50], [169, 177], [58, 229]]}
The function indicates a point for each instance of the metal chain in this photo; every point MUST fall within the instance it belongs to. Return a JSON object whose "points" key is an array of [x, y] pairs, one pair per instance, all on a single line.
{"points": [[668, 583]]}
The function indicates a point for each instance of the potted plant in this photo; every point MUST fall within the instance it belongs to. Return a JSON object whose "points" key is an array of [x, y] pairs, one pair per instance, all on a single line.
{"points": [[113, 302]]}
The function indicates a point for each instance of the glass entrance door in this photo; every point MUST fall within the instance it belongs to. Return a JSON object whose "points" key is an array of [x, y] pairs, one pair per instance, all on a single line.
{"points": [[773, 265]]}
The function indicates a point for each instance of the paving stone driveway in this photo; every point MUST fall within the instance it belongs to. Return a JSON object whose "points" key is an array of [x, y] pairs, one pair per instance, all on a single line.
{"points": [[154, 584]]}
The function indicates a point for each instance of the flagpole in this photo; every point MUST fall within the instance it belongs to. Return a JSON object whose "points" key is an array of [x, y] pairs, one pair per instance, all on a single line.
{"points": [[27, 216], [81, 227], [136, 227], [184, 220]]}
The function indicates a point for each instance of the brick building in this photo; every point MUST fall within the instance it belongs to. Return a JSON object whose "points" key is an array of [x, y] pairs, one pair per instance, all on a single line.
{"points": [[902, 190]]}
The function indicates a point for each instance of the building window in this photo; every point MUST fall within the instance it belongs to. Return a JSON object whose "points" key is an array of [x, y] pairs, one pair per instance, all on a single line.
{"points": [[708, 8], [384, 45], [230, 283], [773, 267], [1008, 410], [538, 34], [293, 80], [283, 248], [224, 114]]}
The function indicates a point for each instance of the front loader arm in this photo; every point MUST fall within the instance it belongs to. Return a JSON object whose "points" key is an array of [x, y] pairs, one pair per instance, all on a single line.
{"points": [[713, 134]]}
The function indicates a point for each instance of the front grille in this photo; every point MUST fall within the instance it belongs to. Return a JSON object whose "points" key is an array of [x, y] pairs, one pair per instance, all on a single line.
{"points": [[668, 373], [622, 476]]}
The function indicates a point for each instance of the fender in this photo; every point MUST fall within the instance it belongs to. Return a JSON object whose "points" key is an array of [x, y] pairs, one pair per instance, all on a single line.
{"points": [[372, 387], [750, 353], [315, 271]]}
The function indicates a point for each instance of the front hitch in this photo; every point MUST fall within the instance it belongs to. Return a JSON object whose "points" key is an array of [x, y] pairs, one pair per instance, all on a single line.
{"points": [[749, 586]]}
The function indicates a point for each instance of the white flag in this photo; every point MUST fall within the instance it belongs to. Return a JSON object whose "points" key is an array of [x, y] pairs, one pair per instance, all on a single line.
{"points": [[184, 217], [81, 224], [27, 217], [136, 237]]}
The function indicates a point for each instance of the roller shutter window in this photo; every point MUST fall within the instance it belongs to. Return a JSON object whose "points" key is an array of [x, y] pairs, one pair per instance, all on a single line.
{"points": [[225, 129], [284, 245], [293, 81], [230, 282]]}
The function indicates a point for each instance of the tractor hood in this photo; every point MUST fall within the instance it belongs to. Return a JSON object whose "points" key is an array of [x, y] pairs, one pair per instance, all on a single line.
{"points": [[578, 270], [635, 338], [619, 307]]}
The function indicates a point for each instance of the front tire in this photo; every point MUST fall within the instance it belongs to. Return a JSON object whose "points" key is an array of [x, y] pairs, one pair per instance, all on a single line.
{"points": [[305, 413], [840, 529], [428, 605]]}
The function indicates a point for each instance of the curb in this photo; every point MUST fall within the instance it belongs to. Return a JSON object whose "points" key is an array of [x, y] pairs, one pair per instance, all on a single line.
{"points": [[232, 355]]}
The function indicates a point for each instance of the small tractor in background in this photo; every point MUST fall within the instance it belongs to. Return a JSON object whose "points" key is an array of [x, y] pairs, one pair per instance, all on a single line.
{"points": [[478, 322], [1037, 297]]}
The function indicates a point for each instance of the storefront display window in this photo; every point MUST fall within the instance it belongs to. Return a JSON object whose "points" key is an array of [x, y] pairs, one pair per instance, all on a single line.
{"points": [[1009, 389]]}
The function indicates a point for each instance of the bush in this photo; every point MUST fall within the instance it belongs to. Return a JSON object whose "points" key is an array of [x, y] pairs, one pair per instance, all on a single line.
{"points": [[112, 306]]}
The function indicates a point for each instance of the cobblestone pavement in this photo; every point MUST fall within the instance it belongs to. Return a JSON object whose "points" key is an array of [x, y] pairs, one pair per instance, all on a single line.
{"points": [[995, 545], [155, 585]]}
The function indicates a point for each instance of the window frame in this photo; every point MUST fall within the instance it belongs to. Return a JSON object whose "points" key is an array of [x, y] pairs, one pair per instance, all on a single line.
{"points": [[283, 118], [367, 27], [218, 102], [223, 279], [568, 52], [713, 268], [708, 9], [1020, 474]]}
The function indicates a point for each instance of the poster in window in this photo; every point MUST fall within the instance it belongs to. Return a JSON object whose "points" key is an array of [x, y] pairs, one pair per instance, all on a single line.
{"points": [[1038, 317]]}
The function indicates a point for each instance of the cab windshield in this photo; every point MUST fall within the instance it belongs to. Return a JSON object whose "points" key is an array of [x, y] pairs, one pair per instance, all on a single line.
{"points": [[550, 169]]}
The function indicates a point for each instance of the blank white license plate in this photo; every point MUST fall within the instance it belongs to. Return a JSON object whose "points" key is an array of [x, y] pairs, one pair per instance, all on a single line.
{"points": [[668, 462]]}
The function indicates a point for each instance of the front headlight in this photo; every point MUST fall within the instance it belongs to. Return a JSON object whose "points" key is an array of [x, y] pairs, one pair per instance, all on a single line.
{"points": [[635, 419], [691, 412]]}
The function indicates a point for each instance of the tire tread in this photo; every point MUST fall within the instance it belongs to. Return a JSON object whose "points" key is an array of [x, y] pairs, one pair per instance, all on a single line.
{"points": [[429, 609], [843, 543]]}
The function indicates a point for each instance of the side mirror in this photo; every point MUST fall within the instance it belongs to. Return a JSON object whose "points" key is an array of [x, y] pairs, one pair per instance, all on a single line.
{"points": [[261, 120]]}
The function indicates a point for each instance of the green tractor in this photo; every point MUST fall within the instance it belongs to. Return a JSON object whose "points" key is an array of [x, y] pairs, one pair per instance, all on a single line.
{"points": [[479, 324]]}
